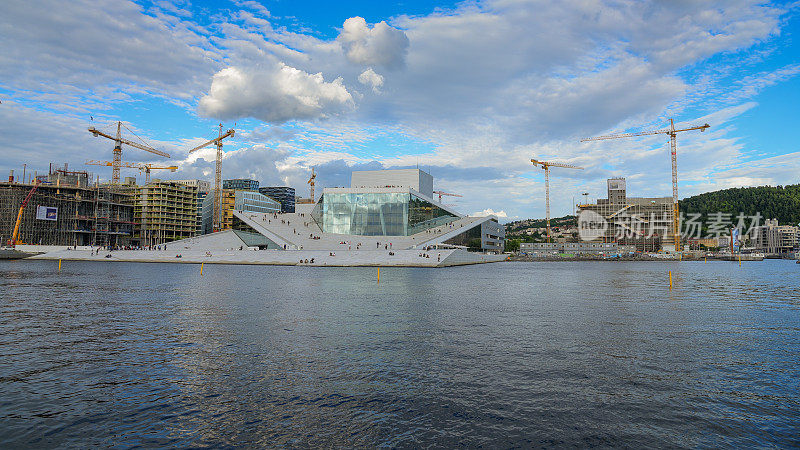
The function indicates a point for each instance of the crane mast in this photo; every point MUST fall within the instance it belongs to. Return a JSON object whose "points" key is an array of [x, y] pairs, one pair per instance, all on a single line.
{"points": [[311, 183], [672, 132], [546, 167], [217, 220]]}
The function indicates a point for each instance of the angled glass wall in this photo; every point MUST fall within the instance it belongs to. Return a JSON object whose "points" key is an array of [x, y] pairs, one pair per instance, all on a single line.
{"points": [[377, 214]]}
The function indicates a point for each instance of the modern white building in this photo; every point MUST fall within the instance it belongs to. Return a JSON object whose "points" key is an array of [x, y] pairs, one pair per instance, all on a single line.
{"points": [[383, 208]]}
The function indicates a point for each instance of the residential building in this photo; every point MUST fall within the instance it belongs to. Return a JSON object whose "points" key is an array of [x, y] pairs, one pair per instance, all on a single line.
{"points": [[163, 211], [203, 188], [774, 239]]}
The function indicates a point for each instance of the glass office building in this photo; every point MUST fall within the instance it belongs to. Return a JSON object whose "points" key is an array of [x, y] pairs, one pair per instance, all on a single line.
{"points": [[378, 213], [240, 184], [254, 202], [283, 194]]}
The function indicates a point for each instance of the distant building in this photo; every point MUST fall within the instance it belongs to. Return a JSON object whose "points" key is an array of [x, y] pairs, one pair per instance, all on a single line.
{"points": [[645, 222], [201, 185], [775, 239], [589, 248], [236, 200], [240, 184], [400, 203], [283, 194]]}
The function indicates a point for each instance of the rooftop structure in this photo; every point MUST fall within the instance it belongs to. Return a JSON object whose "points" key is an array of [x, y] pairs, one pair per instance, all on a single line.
{"points": [[201, 185], [240, 184], [415, 179]]}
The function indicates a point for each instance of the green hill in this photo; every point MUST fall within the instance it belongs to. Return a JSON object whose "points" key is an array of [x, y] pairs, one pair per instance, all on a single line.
{"points": [[779, 202]]}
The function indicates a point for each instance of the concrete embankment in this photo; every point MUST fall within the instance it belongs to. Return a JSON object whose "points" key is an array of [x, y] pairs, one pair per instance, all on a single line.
{"points": [[396, 258]]}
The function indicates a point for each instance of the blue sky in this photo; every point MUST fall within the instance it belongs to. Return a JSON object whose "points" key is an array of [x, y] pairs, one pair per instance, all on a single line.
{"points": [[470, 91]]}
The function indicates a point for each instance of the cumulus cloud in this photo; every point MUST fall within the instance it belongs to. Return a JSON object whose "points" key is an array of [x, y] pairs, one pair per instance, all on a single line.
{"points": [[379, 45], [276, 94], [371, 79], [490, 212]]}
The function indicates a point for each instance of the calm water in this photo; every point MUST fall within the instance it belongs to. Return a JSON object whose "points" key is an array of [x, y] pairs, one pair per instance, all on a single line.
{"points": [[525, 354]]}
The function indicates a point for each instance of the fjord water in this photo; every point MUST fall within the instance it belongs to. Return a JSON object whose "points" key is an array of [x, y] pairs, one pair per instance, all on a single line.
{"points": [[528, 354]]}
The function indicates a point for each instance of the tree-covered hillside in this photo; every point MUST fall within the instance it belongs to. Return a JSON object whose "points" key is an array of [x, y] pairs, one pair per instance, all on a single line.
{"points": [[781, 202]]}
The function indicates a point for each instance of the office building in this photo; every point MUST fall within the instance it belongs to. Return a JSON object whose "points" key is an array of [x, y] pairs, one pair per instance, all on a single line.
{"points": [[240, 184], [283, 194]]}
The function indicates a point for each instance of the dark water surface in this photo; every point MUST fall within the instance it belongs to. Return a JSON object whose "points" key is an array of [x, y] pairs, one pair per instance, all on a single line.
{"points": [[527, 354]]}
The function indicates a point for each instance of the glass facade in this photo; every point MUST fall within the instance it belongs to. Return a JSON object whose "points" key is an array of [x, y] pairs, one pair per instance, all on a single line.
{"points": [[255, 202], [378, 214], [240, 184]]}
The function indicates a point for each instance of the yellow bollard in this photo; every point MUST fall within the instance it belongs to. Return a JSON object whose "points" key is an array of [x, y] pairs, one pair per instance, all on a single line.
{"points": [[670, 279], [59, 265], [201, 269], [379, 274], [740, 260]]}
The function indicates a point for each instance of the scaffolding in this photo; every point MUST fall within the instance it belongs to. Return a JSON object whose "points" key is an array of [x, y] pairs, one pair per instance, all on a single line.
{"points": [[85, 215], [639, 221]]}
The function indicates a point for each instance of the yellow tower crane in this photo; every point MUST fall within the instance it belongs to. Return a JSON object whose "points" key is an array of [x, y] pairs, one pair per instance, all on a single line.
{"points": [[311, 182], [672, 132], [146, 168], [119, 140], [217, 220], [546, 167]]}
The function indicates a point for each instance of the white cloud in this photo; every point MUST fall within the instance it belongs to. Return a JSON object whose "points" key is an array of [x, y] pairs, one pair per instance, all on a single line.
{"points": [[490, 212], [101, 47], [276, 93], [371, 79], [484, 86], [380, 45]]}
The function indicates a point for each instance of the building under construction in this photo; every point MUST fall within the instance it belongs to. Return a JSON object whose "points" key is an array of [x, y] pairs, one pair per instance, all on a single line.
{"points": [[66, 209], [640, 221], [163, 211]]}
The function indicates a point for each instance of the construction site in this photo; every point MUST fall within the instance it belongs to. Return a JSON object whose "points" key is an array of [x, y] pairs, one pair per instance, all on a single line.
{"points": [[65, 209], [643, 222]]}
